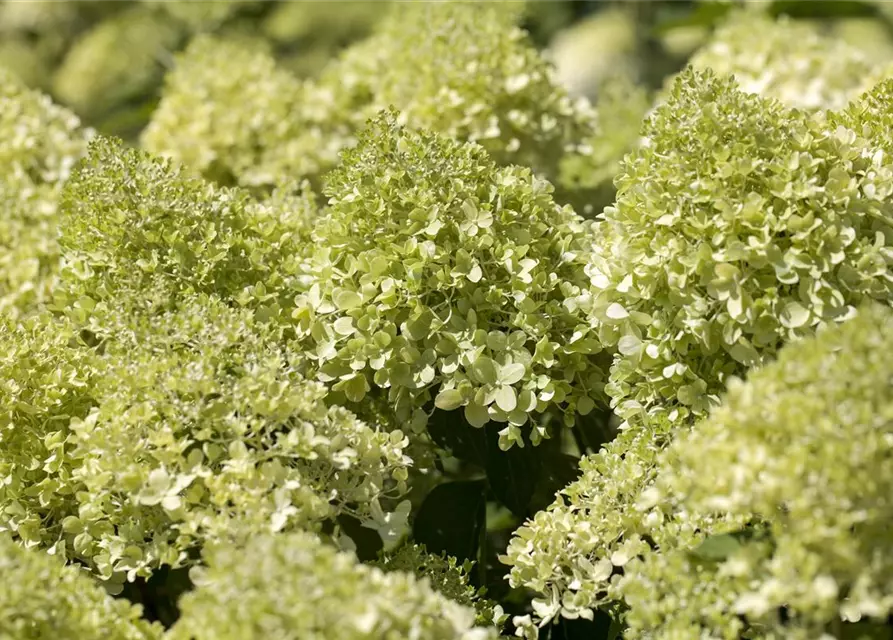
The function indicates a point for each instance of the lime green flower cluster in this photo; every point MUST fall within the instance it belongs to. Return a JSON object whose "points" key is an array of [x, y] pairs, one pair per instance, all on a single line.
{"points": [[870, 116], [134, 223], [42, 598], [205, 430], [437, 275], [188, 427], [567, 554], [45, 384], [39, 144], [806, 446], [472, 75], [228, 111], [293, 586], [790, 61], [574, 553], [739, 225]]}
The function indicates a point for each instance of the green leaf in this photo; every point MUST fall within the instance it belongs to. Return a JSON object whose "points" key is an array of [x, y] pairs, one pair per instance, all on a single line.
{"points": [[718, 547], [451, 431], [448, 399], [512, 474], [476, 415], [512, 373], [556, 471], [506, 398], [485, 370], [345, 299]]}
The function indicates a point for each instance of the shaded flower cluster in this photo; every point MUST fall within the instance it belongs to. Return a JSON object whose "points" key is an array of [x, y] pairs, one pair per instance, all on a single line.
{"points": [[42, 598], [446, 576]]}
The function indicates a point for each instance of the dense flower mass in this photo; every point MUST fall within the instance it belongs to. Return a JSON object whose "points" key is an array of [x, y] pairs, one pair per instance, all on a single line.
{"points": [[42, 598], [294, 587], [473, 76], [574, 553], [870, 116], [218, 437], [750, 513], [739, 225], [446, 320], [178, 415], [46, 382], [132, 220], [228, 111], [439, 276], [39, 144], [191, 426], [805, 446]]}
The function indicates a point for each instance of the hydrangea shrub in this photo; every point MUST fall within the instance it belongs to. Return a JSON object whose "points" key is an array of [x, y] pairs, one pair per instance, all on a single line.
{"points": [[473, 76], [751, 520], [574, 553], [118, 60], [218, 438], [126, 208], [225, 111], [190, 427], [46, 382], [221, 341], [178, 414]]}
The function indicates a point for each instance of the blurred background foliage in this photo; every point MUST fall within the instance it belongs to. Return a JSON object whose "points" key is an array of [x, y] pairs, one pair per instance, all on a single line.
{"points": [[106, 59]]}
